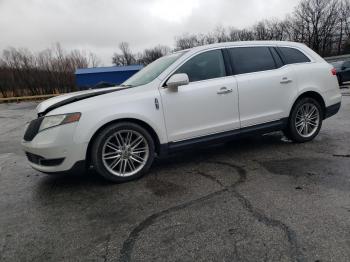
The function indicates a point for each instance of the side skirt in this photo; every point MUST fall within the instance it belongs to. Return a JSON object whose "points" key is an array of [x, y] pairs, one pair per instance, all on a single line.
{"points": [[223, 137]]}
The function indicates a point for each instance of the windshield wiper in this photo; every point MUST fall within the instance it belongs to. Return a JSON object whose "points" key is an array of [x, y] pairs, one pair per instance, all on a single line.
{"points": [[126, 85]]}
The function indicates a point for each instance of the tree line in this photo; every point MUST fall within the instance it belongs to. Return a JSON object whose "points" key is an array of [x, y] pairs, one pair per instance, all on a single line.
{"points": [[323, 25], [51, 71]]}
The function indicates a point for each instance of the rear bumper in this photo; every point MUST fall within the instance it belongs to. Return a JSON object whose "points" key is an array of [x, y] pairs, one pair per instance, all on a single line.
{"points": [[332, 110]]}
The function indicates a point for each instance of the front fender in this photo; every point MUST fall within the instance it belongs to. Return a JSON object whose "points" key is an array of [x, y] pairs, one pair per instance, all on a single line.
{"points": [[134, 103], [157, 127]]}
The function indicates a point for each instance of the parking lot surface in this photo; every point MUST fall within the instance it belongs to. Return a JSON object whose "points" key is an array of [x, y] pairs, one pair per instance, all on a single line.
{"points": [[258, 199]]}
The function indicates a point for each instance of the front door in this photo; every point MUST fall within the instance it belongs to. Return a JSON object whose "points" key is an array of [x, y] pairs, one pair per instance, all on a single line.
{"points": [[207, 105]]}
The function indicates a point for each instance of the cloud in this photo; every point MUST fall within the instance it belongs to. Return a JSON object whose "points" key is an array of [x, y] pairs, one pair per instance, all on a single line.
{"points": [[100, 25]]}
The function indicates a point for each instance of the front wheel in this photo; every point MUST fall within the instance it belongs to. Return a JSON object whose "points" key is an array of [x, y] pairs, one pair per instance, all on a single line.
{"points": [[305, 120], [122, 152]]}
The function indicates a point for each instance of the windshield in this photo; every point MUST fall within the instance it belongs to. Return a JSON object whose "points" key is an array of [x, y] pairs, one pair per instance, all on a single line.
{"points": [[153, 70]]}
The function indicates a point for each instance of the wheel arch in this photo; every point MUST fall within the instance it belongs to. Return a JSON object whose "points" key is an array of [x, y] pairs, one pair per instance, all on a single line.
{"points": [[143, 124], [312, 94]]}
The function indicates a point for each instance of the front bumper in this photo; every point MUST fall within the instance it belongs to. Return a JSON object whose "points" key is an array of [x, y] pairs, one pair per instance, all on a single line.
{"points": [[54, 150]]}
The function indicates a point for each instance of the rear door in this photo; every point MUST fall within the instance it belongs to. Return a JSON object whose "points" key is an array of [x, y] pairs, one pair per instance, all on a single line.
{"points": [[266, 87]]}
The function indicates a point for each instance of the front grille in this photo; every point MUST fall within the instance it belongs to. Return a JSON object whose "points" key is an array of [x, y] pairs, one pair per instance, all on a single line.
{"points": [[39, 160], [33, 129]]}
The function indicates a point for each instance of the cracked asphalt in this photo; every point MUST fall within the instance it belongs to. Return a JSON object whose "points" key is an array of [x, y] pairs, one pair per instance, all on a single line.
{"points": [[258, 199]]}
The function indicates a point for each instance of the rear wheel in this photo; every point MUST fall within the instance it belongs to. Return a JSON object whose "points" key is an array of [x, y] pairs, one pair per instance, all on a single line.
{"points": [[123, 152], [305, 120]]}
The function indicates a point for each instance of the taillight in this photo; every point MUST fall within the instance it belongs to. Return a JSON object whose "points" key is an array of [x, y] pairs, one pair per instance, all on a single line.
{"points": [[334, 71]]}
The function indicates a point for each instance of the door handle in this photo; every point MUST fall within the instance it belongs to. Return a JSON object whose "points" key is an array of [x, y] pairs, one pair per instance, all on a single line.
{"points": [[286, 80], [224, 90]]}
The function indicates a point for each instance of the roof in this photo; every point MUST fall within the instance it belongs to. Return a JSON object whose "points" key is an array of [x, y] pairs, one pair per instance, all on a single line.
{"points": [[301, 46], [247, 43], [108, 69]]}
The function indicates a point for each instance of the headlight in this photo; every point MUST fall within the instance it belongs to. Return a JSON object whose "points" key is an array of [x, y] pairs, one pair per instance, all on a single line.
{"points": [[52, 121]]}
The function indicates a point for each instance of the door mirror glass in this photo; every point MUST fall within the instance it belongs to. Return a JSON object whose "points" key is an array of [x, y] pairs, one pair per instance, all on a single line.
{"points": [[177, 80]]}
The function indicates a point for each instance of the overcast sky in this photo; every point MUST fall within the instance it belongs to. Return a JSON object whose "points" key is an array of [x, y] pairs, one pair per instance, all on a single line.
{"points": [[99, 25]]}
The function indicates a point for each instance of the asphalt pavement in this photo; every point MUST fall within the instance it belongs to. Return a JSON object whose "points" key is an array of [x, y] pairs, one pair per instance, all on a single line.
{"points": [[258, 199]]}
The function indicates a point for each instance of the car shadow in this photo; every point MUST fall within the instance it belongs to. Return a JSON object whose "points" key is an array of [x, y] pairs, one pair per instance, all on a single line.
{"points": [[91, 179], [234, 147], [87, 178]]}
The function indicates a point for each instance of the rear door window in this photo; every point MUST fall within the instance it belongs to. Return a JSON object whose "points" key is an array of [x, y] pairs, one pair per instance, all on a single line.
{"points": [[293, 56], [204, 66], [251, 59]]}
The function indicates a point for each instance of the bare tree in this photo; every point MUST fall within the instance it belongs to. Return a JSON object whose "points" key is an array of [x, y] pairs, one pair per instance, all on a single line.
{"points": [[261, 31], [220, 34], [315, 21], [323, 25], [186, 41], [152, 54], [94, 61], [126, 57]]}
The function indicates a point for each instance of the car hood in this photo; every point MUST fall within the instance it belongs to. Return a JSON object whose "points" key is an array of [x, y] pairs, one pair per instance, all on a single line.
{"points": [[50, 104]]}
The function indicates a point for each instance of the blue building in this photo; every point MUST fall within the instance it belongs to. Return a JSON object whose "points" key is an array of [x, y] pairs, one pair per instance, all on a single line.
{"points": [[104, 76]]}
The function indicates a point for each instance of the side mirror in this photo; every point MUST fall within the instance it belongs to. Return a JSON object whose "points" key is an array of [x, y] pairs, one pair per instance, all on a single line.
{"points": [[177, 80]]}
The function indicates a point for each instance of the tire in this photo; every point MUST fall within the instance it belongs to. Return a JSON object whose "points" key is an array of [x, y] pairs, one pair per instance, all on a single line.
{"points": [[122, 152], [305, 120]]}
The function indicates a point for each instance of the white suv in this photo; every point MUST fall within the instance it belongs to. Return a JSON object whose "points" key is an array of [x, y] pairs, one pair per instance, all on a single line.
{"points": [[204, 95]]}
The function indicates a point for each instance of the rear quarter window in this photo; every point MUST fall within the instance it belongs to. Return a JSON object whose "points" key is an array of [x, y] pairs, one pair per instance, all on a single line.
{"points": [[293, 56]]}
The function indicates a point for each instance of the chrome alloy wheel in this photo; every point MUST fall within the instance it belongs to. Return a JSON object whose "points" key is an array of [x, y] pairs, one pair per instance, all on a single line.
{"points": [[307, 120], [125, 153]]}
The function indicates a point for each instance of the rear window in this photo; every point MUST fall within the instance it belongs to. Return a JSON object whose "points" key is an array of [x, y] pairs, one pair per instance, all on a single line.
{"points": [[293, 56], [251, 59]]}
